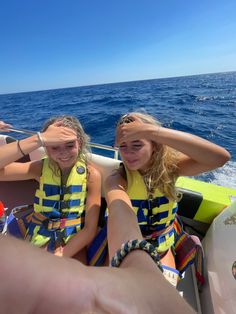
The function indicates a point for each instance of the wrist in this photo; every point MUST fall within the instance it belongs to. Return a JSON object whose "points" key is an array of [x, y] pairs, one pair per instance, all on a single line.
{"points": [[20, 149], [155, 132], [132, 245], [40, 139]]}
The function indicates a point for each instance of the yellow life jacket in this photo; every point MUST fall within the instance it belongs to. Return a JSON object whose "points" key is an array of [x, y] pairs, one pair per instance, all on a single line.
{"points": [[154, 215], [66, 199], [59, 210]]}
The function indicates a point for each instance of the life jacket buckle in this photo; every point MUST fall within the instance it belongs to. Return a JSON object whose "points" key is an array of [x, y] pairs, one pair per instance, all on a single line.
{"points": [[52, 224]]}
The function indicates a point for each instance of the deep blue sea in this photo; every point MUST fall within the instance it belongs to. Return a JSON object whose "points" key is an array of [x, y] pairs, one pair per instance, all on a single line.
{"points": [[204, 105]]}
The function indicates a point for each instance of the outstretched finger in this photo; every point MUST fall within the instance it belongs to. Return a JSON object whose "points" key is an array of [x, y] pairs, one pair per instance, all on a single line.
{"points": [[4, 127]]}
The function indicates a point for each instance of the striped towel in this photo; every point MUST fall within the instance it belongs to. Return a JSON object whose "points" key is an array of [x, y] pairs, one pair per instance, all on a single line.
{"points": [[188, 250]]}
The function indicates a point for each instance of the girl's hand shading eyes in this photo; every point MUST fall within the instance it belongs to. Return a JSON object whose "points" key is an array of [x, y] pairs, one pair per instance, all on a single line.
{"points": [[135, 131], [129, 132], [56, 135]]}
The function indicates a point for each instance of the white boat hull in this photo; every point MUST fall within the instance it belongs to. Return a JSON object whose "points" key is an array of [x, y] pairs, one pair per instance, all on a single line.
{"points": [[220, 248]]}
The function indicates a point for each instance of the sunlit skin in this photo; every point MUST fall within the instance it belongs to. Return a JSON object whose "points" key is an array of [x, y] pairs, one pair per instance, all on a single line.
{"points": [[4, 126], [65, 155], [136, 154]]}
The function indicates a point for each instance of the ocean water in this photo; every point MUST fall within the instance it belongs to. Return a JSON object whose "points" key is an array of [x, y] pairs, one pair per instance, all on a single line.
{"points": [[203, 105]]}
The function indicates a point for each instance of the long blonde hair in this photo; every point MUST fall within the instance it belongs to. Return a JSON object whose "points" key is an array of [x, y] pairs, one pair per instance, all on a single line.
{"points": [[162, 171], [72, 123]]}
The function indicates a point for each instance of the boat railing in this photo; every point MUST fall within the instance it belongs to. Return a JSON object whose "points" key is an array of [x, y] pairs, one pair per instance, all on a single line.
{"points": [[106, 148]]}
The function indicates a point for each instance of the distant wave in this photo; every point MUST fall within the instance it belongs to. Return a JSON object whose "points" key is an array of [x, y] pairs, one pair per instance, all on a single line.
{"points": [[204, 98]]}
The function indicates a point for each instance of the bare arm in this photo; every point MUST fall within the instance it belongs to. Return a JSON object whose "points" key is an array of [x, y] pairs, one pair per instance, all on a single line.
{"points": [[120, 215], [54, 135], [74, 292], [197, 154], [81, 289], [93, 202], [23, 171], [11, 152]]}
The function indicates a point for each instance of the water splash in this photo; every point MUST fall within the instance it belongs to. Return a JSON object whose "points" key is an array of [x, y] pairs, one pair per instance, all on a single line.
{"points": [[225, 176]]}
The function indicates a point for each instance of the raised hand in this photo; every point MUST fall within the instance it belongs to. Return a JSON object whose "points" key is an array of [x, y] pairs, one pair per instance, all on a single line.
{"points": [[57, 134], [4, 126], [135, 130]]}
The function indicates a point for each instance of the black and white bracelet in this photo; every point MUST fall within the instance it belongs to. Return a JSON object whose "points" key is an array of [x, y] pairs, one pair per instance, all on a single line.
{"points": [[136, 245]]}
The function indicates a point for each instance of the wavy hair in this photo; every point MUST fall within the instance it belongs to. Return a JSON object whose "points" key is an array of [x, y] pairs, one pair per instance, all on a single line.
{"points": [[162, 170]]}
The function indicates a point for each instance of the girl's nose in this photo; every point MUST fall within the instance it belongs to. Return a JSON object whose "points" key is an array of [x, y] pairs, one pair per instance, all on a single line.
{"points": [[127, 150], [63, 152]]}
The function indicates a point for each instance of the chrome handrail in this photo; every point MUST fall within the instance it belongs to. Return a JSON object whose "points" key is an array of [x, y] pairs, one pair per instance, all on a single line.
{"points": [[21, 131]]}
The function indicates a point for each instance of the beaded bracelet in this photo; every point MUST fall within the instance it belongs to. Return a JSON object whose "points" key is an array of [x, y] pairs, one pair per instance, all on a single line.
{"points": [[40, 139], [131, 245], [20, 149]]}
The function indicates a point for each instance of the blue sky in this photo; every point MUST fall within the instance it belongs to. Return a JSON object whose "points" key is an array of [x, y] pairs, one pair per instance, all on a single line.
{"points": [[50, 44]]}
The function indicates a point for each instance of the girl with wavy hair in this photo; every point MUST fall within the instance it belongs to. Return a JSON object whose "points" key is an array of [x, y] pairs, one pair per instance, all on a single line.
{"points": [[153, 158], [67, 200]]}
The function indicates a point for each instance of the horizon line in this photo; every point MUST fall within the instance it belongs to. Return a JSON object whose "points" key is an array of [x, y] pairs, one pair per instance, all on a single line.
{"points": [[120, 82]]}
